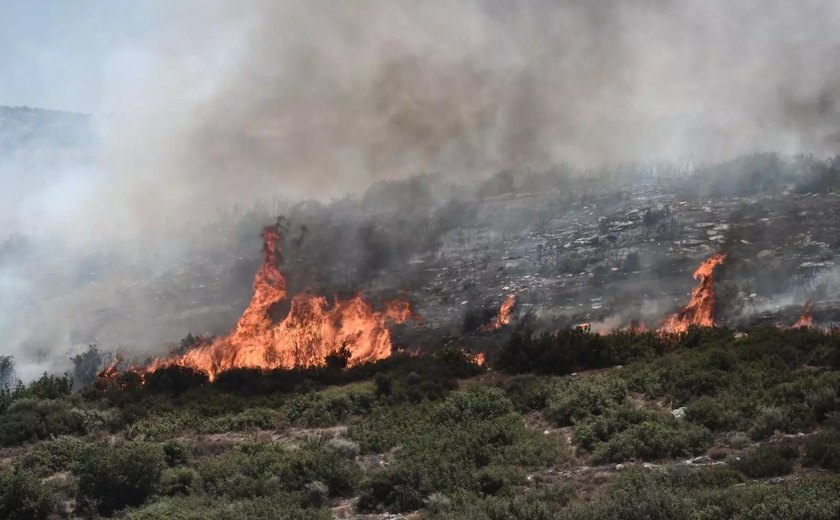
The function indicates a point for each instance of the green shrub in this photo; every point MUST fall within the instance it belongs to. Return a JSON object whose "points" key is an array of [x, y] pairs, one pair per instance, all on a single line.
{"points": [[588, 434], [179, 481], [317, 494], [767, 460], [23, 497], [768, 421], [472, 441], [175, 454], [250, 419], [824, 450], [113, 477], [259, 469], [328, 407], [582, 398], [161, 426], [711, 413], [655, 439], [52, 456], [31, 419]]}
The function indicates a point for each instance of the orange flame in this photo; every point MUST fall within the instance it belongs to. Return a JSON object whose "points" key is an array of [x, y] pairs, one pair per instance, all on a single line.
{"points": [[312, 329], [111, 371], [505, 314], [805, 319], [636, 327], [700, 310], [478, 358]]}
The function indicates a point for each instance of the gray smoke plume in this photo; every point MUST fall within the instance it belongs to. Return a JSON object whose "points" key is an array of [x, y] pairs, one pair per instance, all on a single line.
{"points": [[220, 102], [319, 98]]}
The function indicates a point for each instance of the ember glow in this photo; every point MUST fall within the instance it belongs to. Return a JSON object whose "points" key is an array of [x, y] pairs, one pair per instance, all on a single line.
{"points": [[805, 318], [700, 310], [505, 314], [313, 329], [636, 327]]}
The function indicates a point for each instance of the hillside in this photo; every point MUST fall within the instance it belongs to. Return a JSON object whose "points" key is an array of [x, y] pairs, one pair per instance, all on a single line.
{"points": [[708, 424]]}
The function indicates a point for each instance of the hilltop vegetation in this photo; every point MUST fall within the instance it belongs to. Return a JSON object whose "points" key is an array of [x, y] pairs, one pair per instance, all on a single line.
{"points": [[708, 424]]}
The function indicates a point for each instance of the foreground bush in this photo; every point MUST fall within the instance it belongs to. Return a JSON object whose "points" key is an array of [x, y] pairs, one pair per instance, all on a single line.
{"points": [[23, 497], [30, 419], [824, 450], [473, 441], [114, 477]]}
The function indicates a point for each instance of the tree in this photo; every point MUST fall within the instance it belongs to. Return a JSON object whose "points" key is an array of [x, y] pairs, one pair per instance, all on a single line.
{"points": [[86, 365], [7, 370]]}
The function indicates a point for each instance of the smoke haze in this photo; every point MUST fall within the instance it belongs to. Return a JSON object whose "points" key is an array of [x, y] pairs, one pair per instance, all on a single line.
{"points": [[201, 105]]}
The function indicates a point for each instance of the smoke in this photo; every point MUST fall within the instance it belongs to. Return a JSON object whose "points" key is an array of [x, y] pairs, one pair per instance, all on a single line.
{"points": [[319, 98], [220, 102]]}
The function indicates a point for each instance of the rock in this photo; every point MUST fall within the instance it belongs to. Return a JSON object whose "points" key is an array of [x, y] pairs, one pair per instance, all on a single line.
{"points": [[679, 413]]}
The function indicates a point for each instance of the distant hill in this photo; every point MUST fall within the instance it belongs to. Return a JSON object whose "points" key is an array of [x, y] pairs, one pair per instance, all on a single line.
{"points": [[24, 128]]}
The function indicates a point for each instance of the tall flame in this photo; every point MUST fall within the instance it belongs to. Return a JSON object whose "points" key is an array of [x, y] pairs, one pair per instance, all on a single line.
{"points": [[805, 318], [312, 329], [505, 314], [701, 308]]}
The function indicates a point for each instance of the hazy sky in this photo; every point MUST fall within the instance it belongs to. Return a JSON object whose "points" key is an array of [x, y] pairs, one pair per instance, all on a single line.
{"points": [[55, 53]]}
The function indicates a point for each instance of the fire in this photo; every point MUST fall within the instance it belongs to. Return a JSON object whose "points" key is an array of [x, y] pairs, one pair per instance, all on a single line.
{"points": [[805, 318], [505, 314], [312, 329], [636, 327], [478, 358], [112, 370], [700, 310]]}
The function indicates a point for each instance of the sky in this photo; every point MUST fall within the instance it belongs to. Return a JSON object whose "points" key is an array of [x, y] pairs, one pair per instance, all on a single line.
{"points": [[54, 53]]}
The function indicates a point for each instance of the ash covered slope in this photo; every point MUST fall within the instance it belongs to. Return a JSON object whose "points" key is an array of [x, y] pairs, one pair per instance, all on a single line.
{"points": [[603, 247], [598, 249]]}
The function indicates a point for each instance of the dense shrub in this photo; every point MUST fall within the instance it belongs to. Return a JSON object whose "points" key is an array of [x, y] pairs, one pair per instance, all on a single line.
{"points": [[711, 413], [767, 460], [824, 450], [23, 497], [470, 442], [113, 477], [179, 481], [28, 419], [174, 380], [329, 406], [52, 456], [175, 454], [664, 437], [258, 469], [582, 398]]}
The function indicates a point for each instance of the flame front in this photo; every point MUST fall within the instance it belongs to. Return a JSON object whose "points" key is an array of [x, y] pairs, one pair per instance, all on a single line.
{"points": [[805, 319], [505, 314], [312, 330], [700, 310]]}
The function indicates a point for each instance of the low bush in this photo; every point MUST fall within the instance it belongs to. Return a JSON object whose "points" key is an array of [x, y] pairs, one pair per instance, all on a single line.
{"points": [[24, 497], [474, 440], [664, 437], [824, 450], [114, 477], [767, 460], [30, 419], [581, 398]]}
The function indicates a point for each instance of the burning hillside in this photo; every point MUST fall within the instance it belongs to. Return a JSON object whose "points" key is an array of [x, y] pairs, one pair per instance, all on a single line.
{"points": [[313, 328]]}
